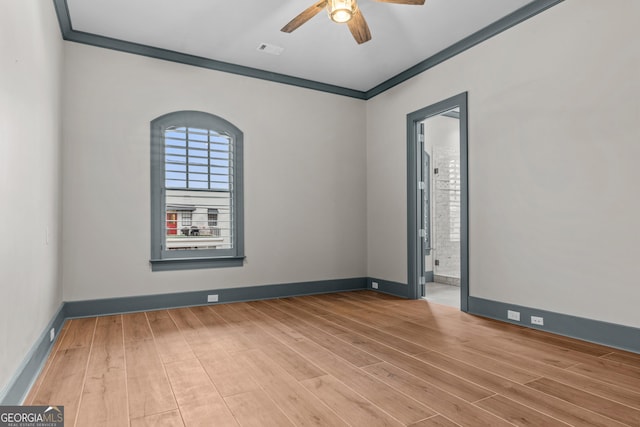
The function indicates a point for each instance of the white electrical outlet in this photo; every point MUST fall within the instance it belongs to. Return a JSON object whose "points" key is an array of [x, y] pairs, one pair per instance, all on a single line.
{"points": [[513, 315], [52, 334], [535, 320], [374, 285], [212, 298]]}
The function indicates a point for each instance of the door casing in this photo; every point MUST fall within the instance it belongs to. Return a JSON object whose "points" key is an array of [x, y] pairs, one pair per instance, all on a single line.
{"points": [[415, 264]]}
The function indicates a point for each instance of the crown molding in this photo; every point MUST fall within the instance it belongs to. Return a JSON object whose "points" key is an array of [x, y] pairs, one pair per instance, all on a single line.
{"points": [[520, 15]]}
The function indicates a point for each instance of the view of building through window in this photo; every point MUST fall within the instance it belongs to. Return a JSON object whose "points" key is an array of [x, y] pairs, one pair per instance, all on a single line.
{"points": [[198, 185]]}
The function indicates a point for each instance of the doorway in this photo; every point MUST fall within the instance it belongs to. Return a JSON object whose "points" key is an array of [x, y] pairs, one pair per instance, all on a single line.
{"points": [[437, 202], [172, 223], [440, 137]]}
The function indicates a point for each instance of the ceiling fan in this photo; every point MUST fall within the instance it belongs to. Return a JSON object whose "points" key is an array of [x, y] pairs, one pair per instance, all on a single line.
{"points": [[342, 11]]}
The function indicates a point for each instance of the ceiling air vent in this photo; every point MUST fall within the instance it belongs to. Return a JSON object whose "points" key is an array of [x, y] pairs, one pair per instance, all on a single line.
{"points": [[270, 49]]}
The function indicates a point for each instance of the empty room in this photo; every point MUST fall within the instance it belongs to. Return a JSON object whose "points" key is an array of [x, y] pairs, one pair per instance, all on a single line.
{"points": [[339, 213]]}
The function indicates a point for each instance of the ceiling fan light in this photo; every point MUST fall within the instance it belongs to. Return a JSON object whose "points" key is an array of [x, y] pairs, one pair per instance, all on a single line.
{"points": [[341, 11]]}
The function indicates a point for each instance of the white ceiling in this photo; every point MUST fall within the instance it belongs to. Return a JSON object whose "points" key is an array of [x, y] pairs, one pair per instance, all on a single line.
{"points": [[320, 50]]}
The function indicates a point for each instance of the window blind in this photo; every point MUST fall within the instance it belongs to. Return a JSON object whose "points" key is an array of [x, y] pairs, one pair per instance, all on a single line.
{"points": [[198, 172]]}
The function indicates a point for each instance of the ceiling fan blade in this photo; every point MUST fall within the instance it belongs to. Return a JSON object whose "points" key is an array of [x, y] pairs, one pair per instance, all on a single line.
{"points": [[359, 28], [308, 13], [416, 2]]}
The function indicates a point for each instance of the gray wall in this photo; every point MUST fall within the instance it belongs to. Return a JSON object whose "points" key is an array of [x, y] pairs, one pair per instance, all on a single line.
{"points": [[30, 71], [305, 202], [553, 151]]}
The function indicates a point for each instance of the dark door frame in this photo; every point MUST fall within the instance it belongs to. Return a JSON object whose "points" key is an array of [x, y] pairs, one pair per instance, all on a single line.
{"points": [[414, 198]]}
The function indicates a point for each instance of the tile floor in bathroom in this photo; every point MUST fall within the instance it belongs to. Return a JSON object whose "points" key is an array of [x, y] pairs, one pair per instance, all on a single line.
{"points": [[443, 294]]}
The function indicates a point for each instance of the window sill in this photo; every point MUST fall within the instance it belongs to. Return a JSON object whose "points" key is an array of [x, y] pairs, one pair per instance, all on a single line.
{"points": [[195, 263]]}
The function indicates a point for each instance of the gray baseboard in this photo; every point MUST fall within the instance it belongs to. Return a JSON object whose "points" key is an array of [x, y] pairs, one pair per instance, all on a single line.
{"points": [[19, 385], [613, 335], [387, 287], [595, 331], [101, 307]]}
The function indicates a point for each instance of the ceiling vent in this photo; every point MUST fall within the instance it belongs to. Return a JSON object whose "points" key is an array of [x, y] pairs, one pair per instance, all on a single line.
{"points": [[270, 49]]}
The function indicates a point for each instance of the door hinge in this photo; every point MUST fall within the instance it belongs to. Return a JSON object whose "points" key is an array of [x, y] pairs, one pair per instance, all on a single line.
{"points": [[437, 262], [420, 185], [435, 171], [422, 232], [423, 280]]}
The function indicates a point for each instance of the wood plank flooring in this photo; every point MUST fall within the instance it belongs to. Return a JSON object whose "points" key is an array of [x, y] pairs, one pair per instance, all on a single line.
{"points": [[347, 359]]}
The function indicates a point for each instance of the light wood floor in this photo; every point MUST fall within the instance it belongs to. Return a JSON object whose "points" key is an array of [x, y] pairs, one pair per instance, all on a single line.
{"points": [[359, 359]]}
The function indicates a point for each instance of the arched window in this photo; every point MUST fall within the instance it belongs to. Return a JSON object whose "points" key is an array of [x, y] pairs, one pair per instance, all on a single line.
{"points": [[196, 173]]}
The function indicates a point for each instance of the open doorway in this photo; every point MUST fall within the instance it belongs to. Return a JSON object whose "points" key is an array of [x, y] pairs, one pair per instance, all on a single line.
{"points": [[437, 202], [440, 136]]}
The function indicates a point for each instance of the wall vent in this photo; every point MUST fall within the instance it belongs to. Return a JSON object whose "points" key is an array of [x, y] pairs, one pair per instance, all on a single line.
{"points": [[270, 49]]}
